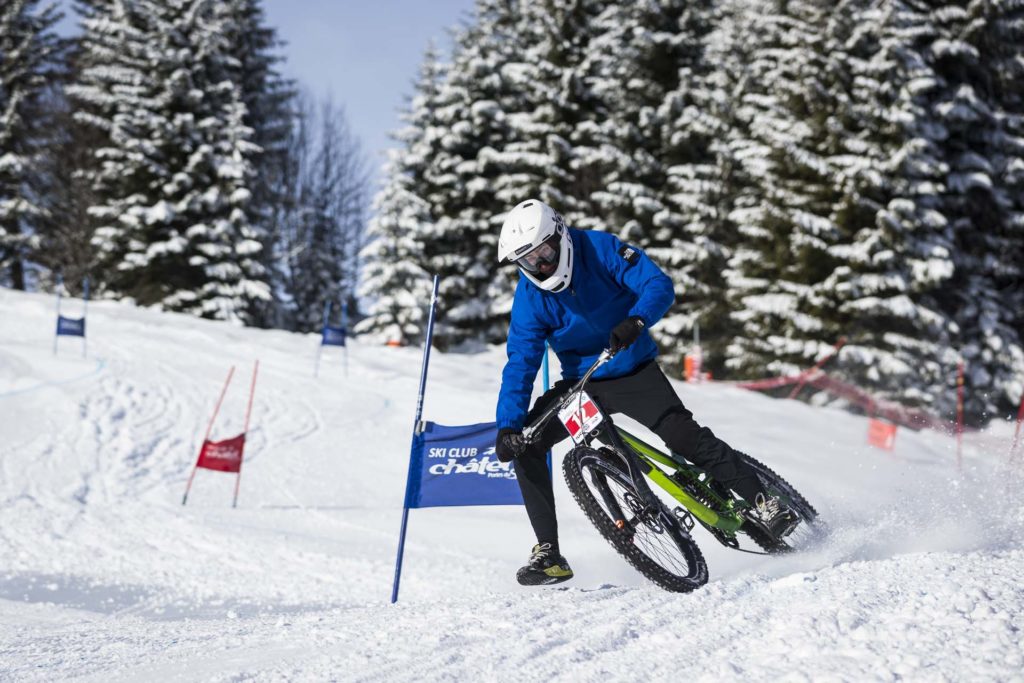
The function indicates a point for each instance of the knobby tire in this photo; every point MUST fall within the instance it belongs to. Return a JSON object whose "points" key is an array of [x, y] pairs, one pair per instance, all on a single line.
{"points": [[580, 464]]}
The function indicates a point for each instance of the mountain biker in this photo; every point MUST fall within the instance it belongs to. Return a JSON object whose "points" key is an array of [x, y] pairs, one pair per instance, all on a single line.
{"points": [[583, 291]]}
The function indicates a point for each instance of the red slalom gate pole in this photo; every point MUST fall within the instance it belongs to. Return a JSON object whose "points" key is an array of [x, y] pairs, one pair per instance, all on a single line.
{"points": [[209, 428], [817, 366], [959, 413], [245, 431], [1016, 432]]}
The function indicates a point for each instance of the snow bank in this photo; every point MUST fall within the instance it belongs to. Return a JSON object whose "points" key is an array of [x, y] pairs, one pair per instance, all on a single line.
{"points": [[105, 576]]}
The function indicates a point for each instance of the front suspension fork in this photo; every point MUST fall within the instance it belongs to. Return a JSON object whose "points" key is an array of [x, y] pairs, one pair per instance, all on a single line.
{"points": [[637, 471]]}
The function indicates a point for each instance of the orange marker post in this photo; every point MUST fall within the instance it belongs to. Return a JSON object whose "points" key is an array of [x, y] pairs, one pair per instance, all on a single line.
{"points": [[881, 434]]}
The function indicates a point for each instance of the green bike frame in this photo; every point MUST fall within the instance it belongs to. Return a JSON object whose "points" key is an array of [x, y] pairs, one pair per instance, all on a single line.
{"points": [[729, 522]]}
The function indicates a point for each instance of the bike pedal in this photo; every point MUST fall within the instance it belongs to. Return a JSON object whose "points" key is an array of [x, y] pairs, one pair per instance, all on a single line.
{"points": [[776, 532], [685, 518], [787, 527]]}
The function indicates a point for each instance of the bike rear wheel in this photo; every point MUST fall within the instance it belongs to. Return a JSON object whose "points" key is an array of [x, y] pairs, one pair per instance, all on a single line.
{"points": [[652, 540]]}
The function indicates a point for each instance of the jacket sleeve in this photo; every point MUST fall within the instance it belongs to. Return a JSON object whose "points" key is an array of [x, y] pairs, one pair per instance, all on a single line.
{"points": [[632, 268], [525, 347]]}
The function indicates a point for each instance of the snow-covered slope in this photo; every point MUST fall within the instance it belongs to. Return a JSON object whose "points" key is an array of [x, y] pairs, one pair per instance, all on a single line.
{"points": [[105, 576]]}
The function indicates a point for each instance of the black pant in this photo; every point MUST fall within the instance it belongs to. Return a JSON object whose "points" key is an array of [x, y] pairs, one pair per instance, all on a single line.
{"points": [[647, 397]]}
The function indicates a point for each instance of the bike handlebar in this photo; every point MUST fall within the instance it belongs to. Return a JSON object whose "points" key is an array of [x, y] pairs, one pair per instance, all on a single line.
{"points": [[631, 462], [532, 431]]}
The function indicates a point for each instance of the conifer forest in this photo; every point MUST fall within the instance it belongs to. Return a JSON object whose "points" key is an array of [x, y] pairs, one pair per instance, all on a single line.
{"points": [[804, 170]]}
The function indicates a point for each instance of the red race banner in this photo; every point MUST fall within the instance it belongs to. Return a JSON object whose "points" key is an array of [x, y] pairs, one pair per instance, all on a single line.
{"points": [[226, 455], [223, 456]]}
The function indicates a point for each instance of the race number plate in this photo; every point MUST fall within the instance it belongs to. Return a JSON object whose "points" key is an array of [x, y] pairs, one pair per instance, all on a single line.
{"points": [[580, 416]]}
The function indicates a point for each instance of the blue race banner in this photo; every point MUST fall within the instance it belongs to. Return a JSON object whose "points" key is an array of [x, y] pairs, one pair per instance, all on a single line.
{"points": [[333, 336], [70, 327], [457, 466]]}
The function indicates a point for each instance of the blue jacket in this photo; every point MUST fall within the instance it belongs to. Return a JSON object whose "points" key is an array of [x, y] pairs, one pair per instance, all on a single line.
{"points": [[611, 281]]}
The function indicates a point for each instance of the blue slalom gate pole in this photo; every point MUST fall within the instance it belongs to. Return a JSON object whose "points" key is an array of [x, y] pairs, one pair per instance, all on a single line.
{"points": [[415, 431], [344, 326], [320, 348], [544, 369], [56, 335], [85, 310], [547, 385]]}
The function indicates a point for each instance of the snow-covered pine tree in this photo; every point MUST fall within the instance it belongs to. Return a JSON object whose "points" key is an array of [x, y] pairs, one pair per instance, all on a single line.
{"points": [[784, 77], [909, 154], [541, 102], [482, 167], [617, 83], [549, 147], [551, 154], [628, 67], [565, 102], [895, 250], [65, 231], [178, 161], [811, 145], [678, 125], [978, 112], [1001, 47], [478, 169], [253, 48], [29, 59], [394, 282], [521, 120], [498, 132], [323, 233]]}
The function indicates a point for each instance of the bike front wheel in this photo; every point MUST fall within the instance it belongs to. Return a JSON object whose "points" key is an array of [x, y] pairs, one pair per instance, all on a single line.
{"points": [[650, 538]]}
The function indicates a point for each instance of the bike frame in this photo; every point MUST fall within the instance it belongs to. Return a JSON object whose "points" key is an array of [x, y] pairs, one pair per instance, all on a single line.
{"points": [[647, 453], [641, 460]]}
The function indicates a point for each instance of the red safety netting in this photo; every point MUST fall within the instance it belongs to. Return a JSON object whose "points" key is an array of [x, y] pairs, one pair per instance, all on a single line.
{"points": [[875, 407]]}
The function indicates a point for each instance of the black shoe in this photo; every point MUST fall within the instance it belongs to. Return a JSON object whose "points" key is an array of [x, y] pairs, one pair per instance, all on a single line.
{"points": [[545, 567], [778, 519]]}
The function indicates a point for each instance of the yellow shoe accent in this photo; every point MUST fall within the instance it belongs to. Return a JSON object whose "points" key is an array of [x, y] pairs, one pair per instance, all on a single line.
{"points": [[557, 571]]}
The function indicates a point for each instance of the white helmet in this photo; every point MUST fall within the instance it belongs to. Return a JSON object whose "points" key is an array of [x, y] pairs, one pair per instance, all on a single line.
{"points": [[535, 238]]}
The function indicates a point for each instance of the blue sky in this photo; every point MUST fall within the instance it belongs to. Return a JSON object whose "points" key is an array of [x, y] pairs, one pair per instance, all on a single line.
{"points": [[364, 53]]}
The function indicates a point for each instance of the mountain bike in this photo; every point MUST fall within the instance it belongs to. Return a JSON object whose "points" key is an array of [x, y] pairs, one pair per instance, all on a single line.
{"points": [[608, 471]]}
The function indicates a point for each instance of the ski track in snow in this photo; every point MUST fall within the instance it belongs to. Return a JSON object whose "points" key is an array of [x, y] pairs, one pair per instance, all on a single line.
{"points": [[105, 576]]}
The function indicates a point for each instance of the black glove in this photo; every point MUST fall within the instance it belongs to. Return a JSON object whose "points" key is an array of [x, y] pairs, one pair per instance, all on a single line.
{"points": [[510, 445], [625, 333]]}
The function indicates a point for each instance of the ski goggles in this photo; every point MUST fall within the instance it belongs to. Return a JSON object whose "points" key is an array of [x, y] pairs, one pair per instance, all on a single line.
{"points": [[544, 254]]}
